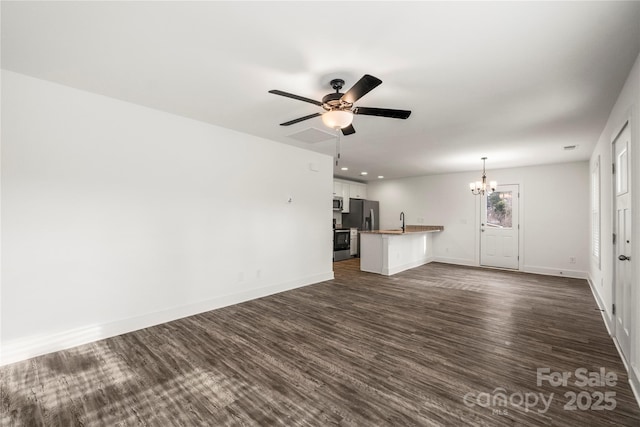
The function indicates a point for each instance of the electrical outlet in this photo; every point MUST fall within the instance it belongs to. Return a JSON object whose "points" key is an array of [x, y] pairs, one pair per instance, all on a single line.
{"points": [[572, 260]]}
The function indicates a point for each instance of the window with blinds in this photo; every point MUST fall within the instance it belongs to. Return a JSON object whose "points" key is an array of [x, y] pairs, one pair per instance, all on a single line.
{"points": [[595, 211]]}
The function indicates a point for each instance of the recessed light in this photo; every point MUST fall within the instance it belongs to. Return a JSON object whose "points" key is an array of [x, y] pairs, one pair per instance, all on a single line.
{"points": [[380, 176], [363, 173], [344, 169]]}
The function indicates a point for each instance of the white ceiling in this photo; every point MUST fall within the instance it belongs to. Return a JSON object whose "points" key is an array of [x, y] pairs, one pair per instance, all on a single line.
{"points": [[508, 80]]}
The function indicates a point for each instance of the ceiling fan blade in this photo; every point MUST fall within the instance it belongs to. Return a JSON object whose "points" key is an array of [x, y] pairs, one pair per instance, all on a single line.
{"points": [[349, 130], [299, 98], [382, 112], [310, 116], [362, 87]]}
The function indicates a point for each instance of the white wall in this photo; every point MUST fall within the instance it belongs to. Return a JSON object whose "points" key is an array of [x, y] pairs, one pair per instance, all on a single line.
{"points": [[116, 217], [554, 218], [430, 200], [627, 108]]}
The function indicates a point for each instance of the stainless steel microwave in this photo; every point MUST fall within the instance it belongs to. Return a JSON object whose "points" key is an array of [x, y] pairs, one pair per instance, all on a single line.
{"points": [[337, 203]]}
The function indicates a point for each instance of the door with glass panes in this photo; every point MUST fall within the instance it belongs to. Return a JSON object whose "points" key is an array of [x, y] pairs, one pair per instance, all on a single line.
{"points": [[499, 228], [623, 276]]}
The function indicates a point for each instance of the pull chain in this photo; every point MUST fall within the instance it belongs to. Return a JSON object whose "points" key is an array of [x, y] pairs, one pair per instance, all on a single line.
{"points": [[337, 146]]}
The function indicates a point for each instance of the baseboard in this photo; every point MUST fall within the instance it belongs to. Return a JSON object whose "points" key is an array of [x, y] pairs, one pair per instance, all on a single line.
{"points": [[574, 274], [407, 266], [25, 348], [636, 390], [601, 305], [457, 261], [632, 372]]}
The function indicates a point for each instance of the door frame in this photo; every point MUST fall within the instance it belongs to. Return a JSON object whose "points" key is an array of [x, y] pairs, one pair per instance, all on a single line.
{"points": [[478, 222]]}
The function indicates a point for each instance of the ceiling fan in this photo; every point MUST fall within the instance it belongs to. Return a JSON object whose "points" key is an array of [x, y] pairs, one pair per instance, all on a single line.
{"points": [[339, 109]]}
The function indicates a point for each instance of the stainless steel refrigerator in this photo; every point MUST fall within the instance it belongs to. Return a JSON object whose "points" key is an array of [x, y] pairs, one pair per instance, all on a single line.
{"points": [[363, 215]]}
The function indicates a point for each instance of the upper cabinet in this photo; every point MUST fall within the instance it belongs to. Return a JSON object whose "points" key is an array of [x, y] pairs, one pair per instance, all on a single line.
{"points": [[357, 191], [337, 188], [345, 197], [349, 190]]}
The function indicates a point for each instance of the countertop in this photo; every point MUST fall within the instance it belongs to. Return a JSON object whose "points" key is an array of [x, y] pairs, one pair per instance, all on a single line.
{"points": [[409, 229]]}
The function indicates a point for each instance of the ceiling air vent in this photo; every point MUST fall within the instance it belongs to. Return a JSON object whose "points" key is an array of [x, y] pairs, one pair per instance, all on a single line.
{"points": [[312, 135], [569, 147]]}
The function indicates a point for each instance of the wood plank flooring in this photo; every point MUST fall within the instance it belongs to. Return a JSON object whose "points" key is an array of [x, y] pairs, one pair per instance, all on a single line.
{"points": [[360, 350]]}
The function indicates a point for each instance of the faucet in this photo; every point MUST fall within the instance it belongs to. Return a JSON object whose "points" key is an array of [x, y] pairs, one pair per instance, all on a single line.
{"points": [[402, 218]]}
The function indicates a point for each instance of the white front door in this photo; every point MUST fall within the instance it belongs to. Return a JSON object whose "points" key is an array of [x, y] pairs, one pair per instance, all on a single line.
{"points": [[499, 228], [622, 227]]}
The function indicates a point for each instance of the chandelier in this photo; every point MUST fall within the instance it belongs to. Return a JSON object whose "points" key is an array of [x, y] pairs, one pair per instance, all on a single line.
{"points": [[479, 188]]}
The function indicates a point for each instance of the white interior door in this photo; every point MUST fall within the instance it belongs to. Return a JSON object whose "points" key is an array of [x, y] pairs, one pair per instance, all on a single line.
{"points": [[499, 228], [622, 227]]}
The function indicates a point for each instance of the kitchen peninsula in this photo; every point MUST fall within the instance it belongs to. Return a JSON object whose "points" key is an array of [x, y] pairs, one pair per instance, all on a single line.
{"points": [[388, 252]]}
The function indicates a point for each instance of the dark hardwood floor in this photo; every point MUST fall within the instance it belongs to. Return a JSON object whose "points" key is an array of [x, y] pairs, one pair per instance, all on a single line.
{"points": [[438, 345]]}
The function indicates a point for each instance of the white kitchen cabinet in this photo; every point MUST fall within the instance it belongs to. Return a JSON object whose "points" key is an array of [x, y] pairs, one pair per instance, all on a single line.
{"points": [[345, 197], [337, 188], [358, 191], [349, 190]]}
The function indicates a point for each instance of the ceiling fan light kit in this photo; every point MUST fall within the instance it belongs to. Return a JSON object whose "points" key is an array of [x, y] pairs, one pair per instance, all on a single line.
{"points": [[337, 119], [339, 108]]}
